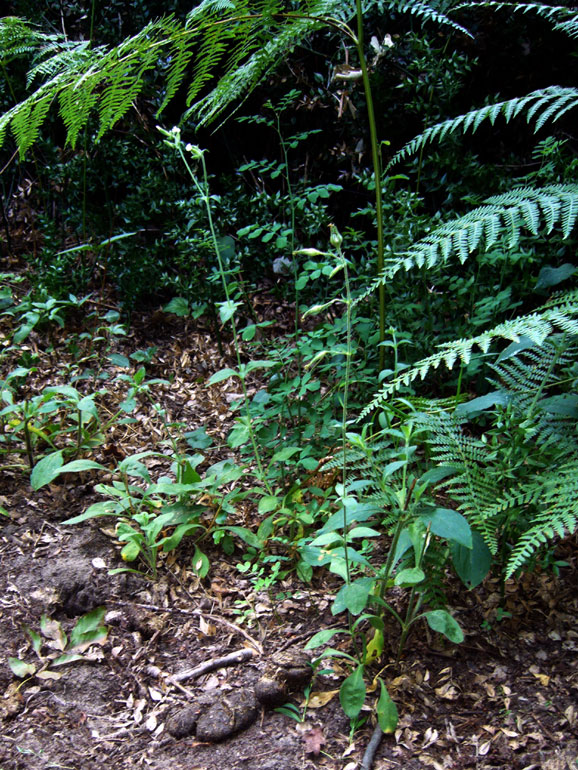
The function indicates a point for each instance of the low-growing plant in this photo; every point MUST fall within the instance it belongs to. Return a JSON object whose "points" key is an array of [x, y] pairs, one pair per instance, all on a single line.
{"points": [[53, 648], [154, 516]]}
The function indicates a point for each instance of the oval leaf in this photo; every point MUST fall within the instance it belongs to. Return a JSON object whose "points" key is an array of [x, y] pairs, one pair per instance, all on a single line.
{"points": [[352, 693], [46, 470], [20, 668], [387, 715], [442, 622]]}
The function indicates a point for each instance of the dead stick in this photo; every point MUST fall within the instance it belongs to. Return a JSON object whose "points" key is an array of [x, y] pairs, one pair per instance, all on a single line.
{"points": [[195, 613], [372, 747], [210, 665]]}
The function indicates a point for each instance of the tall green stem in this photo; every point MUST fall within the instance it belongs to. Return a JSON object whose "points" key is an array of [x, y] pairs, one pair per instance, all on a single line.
{"points": [[376, 160], [204, 193]]}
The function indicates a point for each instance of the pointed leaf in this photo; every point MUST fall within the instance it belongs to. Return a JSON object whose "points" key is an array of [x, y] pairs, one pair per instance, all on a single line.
{"points": [[387, 715], [442, 622], [46, 470], [352, 693], [21, 669]]}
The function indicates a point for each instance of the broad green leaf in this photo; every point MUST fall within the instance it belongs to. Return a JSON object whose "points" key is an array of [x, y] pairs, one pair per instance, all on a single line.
{"points": [[64, 390], [436, 474], [552, 276], [238, 436], [442, 622], [304, 571], [198, 439], [472, 564], [87, 406], [68, 657], [105, 508], [246, 535], [353, 596], [35, 638], [352, 693], [179, 306], [524, 343], [268, 503], [200, 563], [119, 360], [222, 374], [130, 551], [327, 538], [258, 364], [409, 577], [132, 466], [285, 454], [21, 669], [387, 715], [227, 309], [449, 525], [46, 470], [565, 405], [98, 636], [481, 404], [170, 542], [322, 637], [266, 528], [87, 624], [363, 532], [354, 511], [76, 466]]}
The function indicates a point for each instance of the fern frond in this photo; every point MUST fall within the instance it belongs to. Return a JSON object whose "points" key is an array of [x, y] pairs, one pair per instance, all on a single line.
{"points": [[563, 19], [276, 36], [562, 316], [473, 489], [501, 215], [241, 42], [60, 58], [425, 13], [544, 105], [556, 495], [19, 38]]}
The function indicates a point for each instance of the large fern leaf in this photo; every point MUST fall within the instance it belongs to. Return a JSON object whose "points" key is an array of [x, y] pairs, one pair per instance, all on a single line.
{"points": [[540, 107], [561, 314], [508, 215]]}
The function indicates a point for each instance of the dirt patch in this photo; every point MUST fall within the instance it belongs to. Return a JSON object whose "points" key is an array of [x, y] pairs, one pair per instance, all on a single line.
{"points": [[505, 698]]}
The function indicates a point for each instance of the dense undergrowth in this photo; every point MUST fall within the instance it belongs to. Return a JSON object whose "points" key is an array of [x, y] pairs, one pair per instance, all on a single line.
{"points": [[426, 386]]}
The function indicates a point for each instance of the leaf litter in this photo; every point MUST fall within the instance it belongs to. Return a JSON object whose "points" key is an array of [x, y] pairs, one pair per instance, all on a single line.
{"points": [[506, 698]]}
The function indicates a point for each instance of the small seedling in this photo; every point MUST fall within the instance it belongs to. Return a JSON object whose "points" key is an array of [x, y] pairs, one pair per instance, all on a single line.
{"points": [[53, 648]]}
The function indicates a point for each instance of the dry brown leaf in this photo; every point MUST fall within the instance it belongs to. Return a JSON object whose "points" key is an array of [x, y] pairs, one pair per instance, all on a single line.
{"points": [[313, 740], [544, 679], [206, 628], [447, 692], [319, 699], [49, 675]]}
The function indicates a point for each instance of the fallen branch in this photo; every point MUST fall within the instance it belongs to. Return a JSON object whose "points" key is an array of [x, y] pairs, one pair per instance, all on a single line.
{"points": [[210, 665]]}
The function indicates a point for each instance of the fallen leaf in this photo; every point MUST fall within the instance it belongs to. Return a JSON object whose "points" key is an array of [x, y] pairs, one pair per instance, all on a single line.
{"points": [[314, 740], [544, 679], [151, 723], [319, 699], [49, 675]]}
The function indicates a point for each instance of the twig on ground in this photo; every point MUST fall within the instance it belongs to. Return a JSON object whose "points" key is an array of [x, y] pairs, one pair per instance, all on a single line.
{"points": [[371, 749], [198, 613], [210, 665]]}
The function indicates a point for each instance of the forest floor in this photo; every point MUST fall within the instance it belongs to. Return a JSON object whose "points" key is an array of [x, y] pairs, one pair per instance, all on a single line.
{"points": [[505, 698]]}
